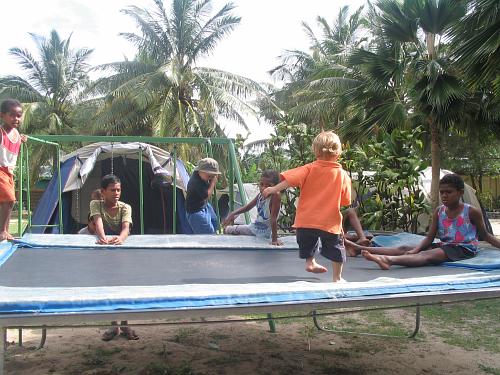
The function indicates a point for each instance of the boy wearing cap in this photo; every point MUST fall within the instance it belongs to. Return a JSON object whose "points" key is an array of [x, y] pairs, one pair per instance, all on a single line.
{"points": [[200, 214]]}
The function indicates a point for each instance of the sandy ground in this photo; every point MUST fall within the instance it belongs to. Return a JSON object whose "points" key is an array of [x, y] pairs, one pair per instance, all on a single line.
{"points": [[245, 348], [249, 348]]}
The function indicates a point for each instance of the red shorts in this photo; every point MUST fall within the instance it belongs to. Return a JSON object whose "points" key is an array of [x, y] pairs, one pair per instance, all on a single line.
{"points": [[7, 188]]}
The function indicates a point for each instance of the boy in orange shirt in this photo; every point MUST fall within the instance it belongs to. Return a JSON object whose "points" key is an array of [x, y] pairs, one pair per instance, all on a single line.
{"points": [[324, 187]]}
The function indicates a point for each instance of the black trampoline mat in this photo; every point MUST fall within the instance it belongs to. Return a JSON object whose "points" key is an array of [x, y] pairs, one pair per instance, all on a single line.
{"points": [[56, 267]]}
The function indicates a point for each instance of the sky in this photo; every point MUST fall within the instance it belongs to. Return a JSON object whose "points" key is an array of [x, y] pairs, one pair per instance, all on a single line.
{"points": [[267, 28]]}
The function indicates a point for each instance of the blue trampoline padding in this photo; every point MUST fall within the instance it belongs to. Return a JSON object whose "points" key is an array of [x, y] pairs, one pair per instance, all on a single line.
{"points": [[155, 241], [92, 299], [395, 240], [6, 250], [487, 259]]}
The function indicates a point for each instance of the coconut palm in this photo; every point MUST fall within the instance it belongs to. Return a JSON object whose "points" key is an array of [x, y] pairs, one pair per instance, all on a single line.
{"points": [[477, 43], [405, 76], [169, 93], [50, 90], [52, 85]]}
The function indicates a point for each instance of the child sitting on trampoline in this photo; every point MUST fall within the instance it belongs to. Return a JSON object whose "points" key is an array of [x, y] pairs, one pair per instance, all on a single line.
{"points": [[456, 224], [324, 187], [111, 216], [200, 214], [266, 223]]}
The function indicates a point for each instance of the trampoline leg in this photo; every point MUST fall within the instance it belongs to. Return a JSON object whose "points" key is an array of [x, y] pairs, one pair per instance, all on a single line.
{"points": [[42, 340], [3, 334], [272, 323], [417, 322], [410, 336], [20, 335]]}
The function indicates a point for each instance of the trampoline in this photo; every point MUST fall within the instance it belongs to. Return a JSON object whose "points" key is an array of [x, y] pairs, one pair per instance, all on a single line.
{"points": [[61, 280]]}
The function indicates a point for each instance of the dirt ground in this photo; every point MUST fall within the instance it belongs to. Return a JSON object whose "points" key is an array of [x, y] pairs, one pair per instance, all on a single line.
{"points": [[442, 347], [249, 348]]}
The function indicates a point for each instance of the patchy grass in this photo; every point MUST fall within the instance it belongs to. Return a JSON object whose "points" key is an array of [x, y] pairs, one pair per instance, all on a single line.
{"points": [[164, 369], [185, 335], [490, 370], [470, 325], [99, 356]]}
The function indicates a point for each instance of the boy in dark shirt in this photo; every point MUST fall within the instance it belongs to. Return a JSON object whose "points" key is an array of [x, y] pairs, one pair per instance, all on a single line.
{"points": [[200, 214]]}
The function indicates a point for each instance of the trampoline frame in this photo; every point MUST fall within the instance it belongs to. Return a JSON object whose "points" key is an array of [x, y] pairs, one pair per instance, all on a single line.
{"points": [[312, 309]]}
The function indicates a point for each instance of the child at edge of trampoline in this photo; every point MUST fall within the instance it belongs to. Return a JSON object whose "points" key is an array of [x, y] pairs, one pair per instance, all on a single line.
{"points": [[268, 209], [200, 214], [11, 114], [454, 222], [324, 188], [112, 217]]}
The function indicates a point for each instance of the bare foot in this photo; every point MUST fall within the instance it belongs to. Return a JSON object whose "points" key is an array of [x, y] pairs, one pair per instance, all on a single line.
{"points": [[6, 236], [352, 251], [312, 266], [340, 281], [364, 242], [381, 260]]}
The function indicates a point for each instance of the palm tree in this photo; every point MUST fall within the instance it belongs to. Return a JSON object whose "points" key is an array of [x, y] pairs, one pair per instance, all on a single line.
{"points": [[52, 85], [307, 95], [169, 93], [51, 90], [405, 77], [477, 45]]}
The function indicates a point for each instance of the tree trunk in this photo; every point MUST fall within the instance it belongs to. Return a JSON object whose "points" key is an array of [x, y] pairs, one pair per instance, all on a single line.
{"points": [[435, 164]]}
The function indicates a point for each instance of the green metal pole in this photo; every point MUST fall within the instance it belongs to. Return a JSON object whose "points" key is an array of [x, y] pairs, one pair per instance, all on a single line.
{"points": [[243, 194], [20, 199], [28, 186], [231, 183], [59, 182], [141, 193], [214, 199], [174, 192]]}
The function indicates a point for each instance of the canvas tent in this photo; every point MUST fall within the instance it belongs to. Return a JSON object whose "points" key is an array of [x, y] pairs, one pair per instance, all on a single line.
{"points": [[81, 173]]}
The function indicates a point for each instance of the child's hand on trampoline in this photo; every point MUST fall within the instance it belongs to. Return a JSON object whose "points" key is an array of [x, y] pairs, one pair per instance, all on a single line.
{"points": [[229, 220]]}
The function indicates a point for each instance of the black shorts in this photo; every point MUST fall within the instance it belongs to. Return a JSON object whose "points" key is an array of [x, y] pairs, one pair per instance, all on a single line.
{"points": [[332, 245], [455, 252]]}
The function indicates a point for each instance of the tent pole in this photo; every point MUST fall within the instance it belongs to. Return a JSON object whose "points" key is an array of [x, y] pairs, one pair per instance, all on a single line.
{"points": [[141, 192], [174, 192]]}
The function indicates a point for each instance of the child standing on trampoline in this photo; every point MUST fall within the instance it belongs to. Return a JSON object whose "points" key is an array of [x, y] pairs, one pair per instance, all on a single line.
{"points": [[324, 188], [266, 223], [11, 113], [454, 222], [200, 214]]}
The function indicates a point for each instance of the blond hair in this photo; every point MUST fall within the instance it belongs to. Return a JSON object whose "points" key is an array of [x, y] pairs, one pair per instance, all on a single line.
{"points": [[327, 144]]}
